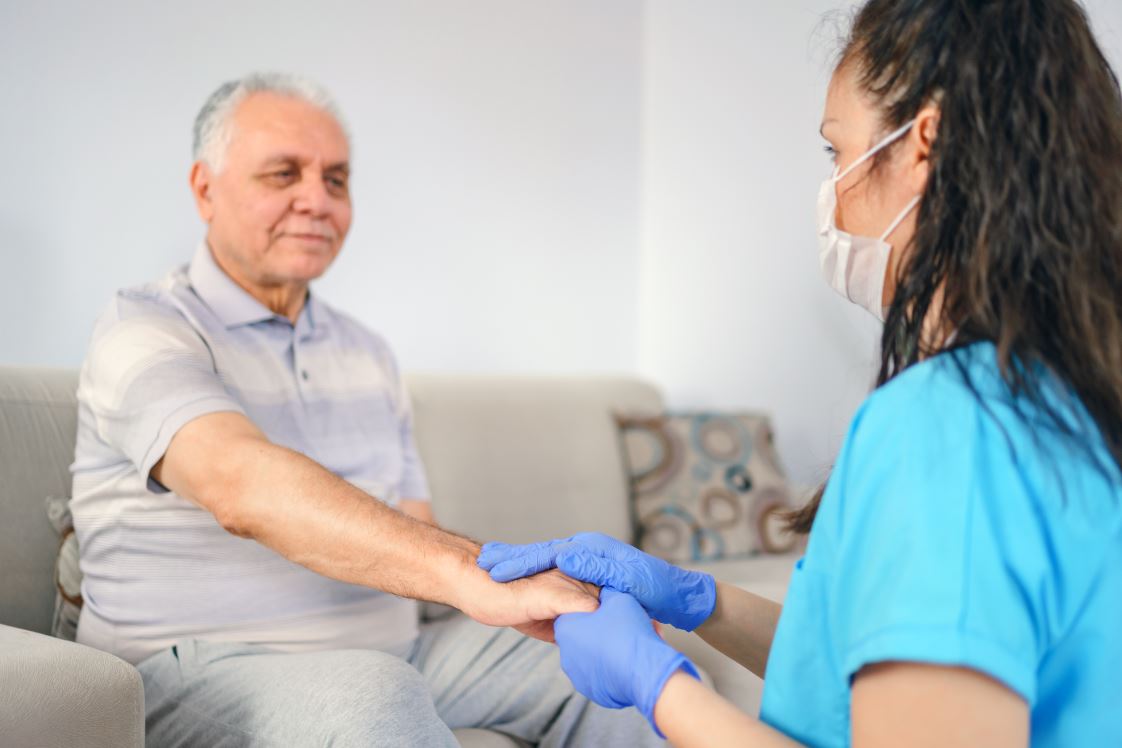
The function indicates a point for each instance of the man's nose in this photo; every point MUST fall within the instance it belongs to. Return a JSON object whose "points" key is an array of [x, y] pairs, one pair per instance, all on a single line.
{"points": [[311, 196]]}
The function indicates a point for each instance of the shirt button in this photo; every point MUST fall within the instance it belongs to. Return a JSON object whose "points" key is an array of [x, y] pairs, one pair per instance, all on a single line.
{"points": [[304, 373]]}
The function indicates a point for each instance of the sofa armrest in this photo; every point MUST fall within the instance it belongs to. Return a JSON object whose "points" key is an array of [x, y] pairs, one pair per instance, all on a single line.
{"points": [[57, 693]]}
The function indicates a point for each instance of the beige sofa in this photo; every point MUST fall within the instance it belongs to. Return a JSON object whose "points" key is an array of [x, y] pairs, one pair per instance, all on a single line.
{"points": [[509, 458]]}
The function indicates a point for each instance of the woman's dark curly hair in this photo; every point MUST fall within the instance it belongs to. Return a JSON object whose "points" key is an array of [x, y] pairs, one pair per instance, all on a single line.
{"points": [[1020, 225]]}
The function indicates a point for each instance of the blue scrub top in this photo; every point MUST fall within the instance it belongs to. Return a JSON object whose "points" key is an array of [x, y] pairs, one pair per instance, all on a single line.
{"points": [[960, 528]]}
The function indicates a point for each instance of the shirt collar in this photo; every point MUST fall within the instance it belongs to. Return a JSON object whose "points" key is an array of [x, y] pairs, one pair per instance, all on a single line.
{"points": [[229, 301]]}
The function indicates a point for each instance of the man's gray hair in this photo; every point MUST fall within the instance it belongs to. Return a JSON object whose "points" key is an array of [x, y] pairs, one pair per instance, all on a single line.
{"points": [[214, 125]]}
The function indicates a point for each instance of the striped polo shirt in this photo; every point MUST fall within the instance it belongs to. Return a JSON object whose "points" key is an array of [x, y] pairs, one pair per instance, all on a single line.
{"points": [[158, 568]]}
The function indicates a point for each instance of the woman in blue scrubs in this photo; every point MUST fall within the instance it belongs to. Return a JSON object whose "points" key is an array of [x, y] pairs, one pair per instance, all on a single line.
{"points": [[962, 584]]}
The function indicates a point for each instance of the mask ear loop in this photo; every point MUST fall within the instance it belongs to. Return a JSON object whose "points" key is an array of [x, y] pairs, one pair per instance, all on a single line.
{"points": [[899, 219], [888, 139], [888, 232]]}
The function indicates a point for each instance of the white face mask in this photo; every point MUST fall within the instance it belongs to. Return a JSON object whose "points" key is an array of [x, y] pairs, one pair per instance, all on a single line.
{"points": [[855, 266]]}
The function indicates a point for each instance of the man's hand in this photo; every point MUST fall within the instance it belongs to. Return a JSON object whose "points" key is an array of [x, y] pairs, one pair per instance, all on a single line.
{"points": [[529, 605], [682, 598], [554, 591]]}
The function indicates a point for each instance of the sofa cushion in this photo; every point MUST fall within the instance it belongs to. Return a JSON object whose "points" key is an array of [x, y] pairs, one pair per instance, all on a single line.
{"points": [[38, 422], [706, 485], [766, 575]]}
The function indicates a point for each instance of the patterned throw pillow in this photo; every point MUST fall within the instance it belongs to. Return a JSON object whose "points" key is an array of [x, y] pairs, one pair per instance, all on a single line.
{"points": [[705, 486]]}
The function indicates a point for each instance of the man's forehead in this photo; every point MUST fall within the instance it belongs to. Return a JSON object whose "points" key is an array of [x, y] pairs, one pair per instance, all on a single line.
{"points": [[270, 127]]}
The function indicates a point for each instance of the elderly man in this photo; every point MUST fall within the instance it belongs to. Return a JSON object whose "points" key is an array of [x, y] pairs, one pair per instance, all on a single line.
{"points": [[250, 506]]}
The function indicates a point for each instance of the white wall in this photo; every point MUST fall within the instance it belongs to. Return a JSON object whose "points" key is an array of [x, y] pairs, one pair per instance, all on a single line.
{"points": [[541, 185], [733, 311], [496, 166]]}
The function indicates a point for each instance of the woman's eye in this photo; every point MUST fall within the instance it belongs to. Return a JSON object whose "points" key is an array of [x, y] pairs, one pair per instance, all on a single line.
{"points": [[833, 154]]}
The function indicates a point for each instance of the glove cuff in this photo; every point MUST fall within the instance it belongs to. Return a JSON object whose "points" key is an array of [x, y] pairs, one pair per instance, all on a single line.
{"points": [[672, 665], [698, 598]]}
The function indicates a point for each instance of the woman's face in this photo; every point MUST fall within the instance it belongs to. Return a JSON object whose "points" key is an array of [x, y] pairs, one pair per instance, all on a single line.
{"points": [[870, 199]]}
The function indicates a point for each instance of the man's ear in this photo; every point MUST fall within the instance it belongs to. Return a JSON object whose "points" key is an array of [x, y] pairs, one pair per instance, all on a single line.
{"points": [[200, 180], [923, 135]]}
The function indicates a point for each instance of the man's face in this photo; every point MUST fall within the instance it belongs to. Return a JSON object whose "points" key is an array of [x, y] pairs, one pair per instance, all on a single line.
{"points": [[281, 207]]}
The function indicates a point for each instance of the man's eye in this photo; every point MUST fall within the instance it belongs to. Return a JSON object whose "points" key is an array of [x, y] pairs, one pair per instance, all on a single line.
{"points": [[280, 176]]}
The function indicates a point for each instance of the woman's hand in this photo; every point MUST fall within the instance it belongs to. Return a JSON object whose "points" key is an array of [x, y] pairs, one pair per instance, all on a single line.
{"points": [[614, 657], [683, 599]]}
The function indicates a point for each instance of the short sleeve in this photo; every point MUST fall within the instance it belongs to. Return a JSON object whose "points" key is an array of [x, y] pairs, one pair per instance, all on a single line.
{"points": [[940, 554], [148, 373], [413, 484]]}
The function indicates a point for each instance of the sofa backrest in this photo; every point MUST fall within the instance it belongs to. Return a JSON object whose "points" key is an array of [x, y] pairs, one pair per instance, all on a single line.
{"points": [[508, 458], [38, 420], [526, 458]]}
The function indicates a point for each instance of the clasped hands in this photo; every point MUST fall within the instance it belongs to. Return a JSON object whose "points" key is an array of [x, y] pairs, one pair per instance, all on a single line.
{"points": [[613, 654]]}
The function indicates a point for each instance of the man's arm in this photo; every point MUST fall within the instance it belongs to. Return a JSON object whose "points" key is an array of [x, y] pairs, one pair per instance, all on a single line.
{"points": [[293, 505], [418, 509]]}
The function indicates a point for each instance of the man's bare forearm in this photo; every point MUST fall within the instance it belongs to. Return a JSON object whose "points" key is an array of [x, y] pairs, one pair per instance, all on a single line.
{"points": [[742, 626], [301, 510], [282, 499], [313, 517]]}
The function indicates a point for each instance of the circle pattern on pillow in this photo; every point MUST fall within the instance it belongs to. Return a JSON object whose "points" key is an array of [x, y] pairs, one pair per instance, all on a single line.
{"points": [[705, 485]]}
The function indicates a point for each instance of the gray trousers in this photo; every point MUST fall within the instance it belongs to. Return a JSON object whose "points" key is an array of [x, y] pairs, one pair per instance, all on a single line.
{"points": [[458, 674]]}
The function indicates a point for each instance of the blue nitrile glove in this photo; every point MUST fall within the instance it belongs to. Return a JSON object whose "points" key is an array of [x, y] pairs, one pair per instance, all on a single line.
{"points": [[614, 657], [683, 599]]}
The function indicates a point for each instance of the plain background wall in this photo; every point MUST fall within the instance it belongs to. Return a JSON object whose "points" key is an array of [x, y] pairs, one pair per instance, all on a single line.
{"points": [[734, 312], [542, 186], [495, 160]]}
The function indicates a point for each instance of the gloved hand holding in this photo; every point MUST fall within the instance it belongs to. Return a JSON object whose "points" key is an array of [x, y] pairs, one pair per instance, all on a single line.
{"points": [[684, 599], [614, 657]]}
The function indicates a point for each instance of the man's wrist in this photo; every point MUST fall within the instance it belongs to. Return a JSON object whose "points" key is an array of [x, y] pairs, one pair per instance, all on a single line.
{"points": [[453, 565]]}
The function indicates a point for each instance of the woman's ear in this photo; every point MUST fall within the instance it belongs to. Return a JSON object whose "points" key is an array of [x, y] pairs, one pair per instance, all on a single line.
{"points": [[922, 136]]}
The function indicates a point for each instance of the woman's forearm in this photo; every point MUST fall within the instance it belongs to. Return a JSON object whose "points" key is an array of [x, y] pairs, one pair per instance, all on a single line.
{"points": [[742, 626], [692, 716]]}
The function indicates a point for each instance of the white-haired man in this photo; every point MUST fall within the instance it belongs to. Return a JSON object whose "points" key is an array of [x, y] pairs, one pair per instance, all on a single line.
{"points": [[234, 431]]}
